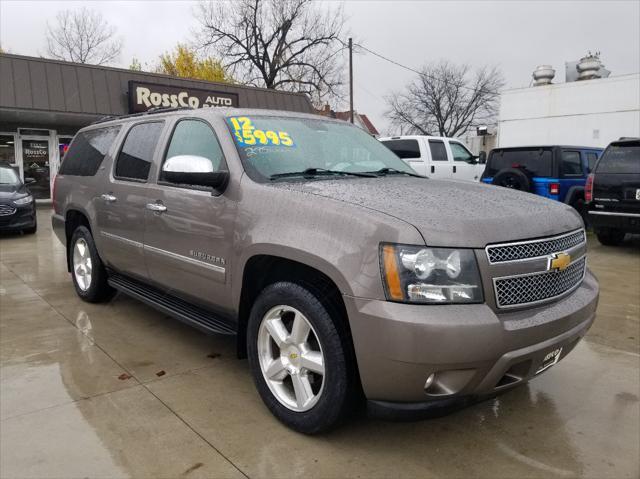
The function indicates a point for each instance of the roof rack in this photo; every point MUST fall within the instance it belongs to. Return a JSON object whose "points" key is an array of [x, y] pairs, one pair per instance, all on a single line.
{"points": [[150, 111]]}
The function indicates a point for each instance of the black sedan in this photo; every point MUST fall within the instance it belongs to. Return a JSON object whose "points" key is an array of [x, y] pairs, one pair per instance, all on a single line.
{"points": [[17, 206]]}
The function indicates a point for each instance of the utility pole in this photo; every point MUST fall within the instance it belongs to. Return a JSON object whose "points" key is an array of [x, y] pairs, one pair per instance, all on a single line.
{"points": [[351, 80]]}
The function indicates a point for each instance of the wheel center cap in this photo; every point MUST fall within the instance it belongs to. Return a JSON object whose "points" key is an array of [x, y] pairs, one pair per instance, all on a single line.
{"points": [[291, 356]]}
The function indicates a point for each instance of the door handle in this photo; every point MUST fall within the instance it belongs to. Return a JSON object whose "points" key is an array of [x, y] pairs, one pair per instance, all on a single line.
{"points": [[454, 169], [156, 207], [109, 198], [433, 169]]}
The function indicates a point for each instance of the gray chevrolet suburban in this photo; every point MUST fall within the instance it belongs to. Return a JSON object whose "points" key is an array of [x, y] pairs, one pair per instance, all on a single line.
{"points": [[342, 274]]}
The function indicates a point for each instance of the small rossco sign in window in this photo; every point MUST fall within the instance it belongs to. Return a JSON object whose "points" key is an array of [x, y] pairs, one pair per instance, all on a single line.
{"points": [[144, 96]]}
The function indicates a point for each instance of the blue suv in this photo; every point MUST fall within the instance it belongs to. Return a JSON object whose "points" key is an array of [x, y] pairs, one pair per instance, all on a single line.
{"points": [[555, 172]]}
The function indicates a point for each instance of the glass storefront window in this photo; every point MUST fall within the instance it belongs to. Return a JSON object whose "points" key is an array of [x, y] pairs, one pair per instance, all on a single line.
{"points": [[35, 159], [7, 149]]}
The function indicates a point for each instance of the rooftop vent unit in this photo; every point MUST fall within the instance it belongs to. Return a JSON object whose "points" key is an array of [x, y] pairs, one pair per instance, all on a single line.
{"points": [[588, 67], [543, 75]]}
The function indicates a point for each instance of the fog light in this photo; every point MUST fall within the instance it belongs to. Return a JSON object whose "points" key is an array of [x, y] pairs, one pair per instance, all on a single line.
{"points": [[430, 379]]}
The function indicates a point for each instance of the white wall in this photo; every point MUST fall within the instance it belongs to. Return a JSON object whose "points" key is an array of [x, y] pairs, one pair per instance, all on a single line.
{"points": [[586, 113]]}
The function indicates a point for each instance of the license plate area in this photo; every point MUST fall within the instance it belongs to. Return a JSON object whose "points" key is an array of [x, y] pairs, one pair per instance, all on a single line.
{"points": [[549, 360]]}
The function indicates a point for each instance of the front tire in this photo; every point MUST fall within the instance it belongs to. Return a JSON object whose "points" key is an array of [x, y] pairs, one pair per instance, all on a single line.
{"points": [[88, 272], [298, 359], [610, 236]]}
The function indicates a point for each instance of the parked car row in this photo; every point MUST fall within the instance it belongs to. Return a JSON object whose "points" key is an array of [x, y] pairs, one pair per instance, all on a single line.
{"points": [[605, 191], [345, 276]]}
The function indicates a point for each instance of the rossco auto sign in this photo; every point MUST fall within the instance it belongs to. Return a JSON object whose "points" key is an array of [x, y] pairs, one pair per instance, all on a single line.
{"points": [[144, 96]]}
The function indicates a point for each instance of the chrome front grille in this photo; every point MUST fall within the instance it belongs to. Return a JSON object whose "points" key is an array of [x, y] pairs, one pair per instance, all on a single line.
{"points": [[7, 210], [533, 288], [522, 250]]}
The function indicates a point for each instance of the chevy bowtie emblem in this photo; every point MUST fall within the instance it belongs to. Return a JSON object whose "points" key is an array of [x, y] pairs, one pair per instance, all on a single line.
{"points": [[559, 261]]}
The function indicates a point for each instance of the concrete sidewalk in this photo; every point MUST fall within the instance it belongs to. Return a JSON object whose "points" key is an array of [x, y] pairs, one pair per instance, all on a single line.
{"points": [[120, 390]]}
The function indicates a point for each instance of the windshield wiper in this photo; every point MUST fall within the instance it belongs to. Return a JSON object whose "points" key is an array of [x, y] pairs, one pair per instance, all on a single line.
{"points": [[393, 171], [311, 172]]}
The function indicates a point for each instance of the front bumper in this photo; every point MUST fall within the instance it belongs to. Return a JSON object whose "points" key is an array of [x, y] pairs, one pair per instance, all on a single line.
{"points": [[472, 350], [627, 222], [23, 218]]}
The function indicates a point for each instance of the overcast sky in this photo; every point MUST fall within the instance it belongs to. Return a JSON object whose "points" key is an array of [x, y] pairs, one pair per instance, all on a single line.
{"points": [[515, 35]]}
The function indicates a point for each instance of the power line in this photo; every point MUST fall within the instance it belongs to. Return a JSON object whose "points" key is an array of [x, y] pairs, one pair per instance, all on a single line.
{"points": [[394, 62]]}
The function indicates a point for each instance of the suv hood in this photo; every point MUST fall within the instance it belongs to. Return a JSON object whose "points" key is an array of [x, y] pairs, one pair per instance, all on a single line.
{"points": [[450, 212]]}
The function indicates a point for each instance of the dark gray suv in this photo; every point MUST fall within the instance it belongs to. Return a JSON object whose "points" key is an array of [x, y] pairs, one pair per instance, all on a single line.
{"points": [[342, 274]]}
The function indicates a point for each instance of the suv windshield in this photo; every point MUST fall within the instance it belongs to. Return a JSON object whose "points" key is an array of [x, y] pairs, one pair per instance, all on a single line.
{"points": [[536, 161], [621, 158], [8, 176], [278, 147]]}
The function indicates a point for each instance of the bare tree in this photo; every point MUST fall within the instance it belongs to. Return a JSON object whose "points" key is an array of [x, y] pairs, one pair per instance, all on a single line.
{"points": [[82, 36], [280, 44], [447, 100]]}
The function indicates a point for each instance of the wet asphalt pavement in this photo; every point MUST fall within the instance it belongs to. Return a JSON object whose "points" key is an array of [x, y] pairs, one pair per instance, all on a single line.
{"points": [[120, 390]]}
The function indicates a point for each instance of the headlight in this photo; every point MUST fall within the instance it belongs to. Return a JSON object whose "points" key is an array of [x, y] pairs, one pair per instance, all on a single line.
{"points": [[24, 200], [414, 274]]}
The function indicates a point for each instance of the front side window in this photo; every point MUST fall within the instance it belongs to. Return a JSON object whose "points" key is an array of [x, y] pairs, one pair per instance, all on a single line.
{"points": [[274, 145], [571, 164], [195, 138], [87, 150], [438, 150], [459, 152], [405, 149], [136, 155]]}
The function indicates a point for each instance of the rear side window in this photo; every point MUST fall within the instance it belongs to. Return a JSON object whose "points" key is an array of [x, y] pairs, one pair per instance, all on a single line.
{"points": [[620, 159], [88, 149], [136, 155], [592, 158], [571, 163], [404, 148], [535, 161], [438, 150]]}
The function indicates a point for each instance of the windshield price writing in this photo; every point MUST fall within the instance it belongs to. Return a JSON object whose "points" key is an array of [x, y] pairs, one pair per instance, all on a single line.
{"points": [[246, 134]]}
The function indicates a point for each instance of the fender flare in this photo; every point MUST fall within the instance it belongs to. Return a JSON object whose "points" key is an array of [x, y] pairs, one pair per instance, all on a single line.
{"points": [[292, 254], [572, 193]]}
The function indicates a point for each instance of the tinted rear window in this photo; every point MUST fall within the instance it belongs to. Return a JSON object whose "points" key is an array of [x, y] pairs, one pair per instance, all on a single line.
{"points": [[87, 151], [134, 160], [438, 150], [404, 148], [620, 159], [537, 162]]}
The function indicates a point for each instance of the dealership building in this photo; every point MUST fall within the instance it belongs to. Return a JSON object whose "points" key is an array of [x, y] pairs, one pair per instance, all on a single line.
{"points": [[43, 103]]}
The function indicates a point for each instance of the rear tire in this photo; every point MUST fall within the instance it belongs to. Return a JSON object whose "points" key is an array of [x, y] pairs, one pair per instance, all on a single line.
{"points": [[88, 272], [580, 206], [279, 365], [610, 236]]}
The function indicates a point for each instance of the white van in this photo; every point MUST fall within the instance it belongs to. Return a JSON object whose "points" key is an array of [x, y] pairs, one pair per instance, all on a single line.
{"points": [[437, 157]]}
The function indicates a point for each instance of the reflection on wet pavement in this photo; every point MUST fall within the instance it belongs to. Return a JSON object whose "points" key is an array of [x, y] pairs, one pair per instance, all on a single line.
{"points": [[119, 390]]}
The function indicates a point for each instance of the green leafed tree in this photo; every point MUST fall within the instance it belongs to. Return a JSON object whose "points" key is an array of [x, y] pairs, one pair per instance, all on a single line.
{"points": [[186, 63]]}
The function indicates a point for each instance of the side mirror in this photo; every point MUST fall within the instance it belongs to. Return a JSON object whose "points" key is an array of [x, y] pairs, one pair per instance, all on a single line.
{"points": [[29, 181], [193, 170], [482, 158]]}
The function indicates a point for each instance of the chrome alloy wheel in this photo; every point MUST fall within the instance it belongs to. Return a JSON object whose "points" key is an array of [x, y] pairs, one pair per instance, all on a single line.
{"points": [[291, 358], [82, 266]]}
